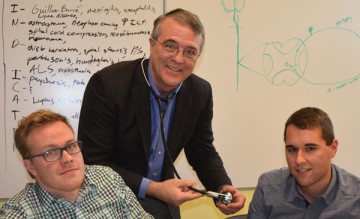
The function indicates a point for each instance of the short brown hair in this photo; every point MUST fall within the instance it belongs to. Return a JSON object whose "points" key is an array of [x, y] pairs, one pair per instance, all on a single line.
{"points": [[36, 119], [312, 117]]}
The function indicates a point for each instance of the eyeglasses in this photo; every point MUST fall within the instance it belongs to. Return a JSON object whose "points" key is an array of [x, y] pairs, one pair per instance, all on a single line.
{"points": [[173, 48], [56, 154]]}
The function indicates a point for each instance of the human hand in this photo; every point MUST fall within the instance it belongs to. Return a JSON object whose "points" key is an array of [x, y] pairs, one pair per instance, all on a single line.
{"points": [[173, 191], [236, 204]]}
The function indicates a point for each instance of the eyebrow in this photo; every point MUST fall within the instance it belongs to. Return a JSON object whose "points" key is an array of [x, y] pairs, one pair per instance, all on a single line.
{"points": [[290, 146], [187, 47], [170, 40], [311, 145], [306, 145], [55, 146]]}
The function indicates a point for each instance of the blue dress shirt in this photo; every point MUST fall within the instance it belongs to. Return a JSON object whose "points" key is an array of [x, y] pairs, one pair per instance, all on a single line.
{"points": [[157, 149]]}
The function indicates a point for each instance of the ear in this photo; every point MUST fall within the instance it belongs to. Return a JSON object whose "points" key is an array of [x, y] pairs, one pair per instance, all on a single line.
{"points": [[29, 166], [151, 41], [333, 147]]}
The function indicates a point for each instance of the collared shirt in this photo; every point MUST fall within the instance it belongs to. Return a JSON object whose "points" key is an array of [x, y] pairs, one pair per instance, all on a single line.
{"points": [[276, 196], [157, 149], [104, 194]]}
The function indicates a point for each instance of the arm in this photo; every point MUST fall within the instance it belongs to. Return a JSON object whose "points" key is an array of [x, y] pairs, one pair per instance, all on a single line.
{"points": [[257, 204], [199, 150], [129, 203], [202, 155], [11, 211], [97, 122], [101, 126]]}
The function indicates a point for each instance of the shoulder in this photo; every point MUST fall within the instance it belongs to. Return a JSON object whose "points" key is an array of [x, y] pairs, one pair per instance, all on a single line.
{"points": [[276, 186], [199, 88], [99, 174], [24, 194], [19, 203], [349, 183], [132, 64], [196, 82], [121, 70], [277, 177], [116, 78], [107, 183], [99, 171]]}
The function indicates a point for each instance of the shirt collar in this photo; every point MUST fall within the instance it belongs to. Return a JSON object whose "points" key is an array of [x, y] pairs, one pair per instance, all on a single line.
{"points": [[44, 197], [291, 189], [88, 188], [328, 195]]}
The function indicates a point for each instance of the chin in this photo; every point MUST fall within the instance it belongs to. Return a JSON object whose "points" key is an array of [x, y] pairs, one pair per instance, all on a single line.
{"points": [[70, 186], [74, 176]]}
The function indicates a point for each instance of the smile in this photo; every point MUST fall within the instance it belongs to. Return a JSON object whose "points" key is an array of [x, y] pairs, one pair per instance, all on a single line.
{"points": [[172, 68], [302, 170], [67, 171]]}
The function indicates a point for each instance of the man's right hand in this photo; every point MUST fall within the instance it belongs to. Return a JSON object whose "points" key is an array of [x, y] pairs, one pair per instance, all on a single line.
{"points": [[173, 191]]}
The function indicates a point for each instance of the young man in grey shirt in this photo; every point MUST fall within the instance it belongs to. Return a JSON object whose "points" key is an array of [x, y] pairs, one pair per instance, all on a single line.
{"points": [[311, 186]]}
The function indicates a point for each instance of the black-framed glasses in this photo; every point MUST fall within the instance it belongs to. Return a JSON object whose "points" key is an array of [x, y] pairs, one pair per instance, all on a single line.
{"points": [[56, 154], [173, 48]]}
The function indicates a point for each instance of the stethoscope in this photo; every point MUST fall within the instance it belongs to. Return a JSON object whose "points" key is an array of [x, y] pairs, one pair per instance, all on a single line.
{"points": [[162, 112], [226, 197]]}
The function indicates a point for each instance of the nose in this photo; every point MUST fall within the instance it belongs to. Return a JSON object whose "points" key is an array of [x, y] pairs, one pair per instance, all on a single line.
{"points": [[178, 56], [300, 157], [66, 157]]}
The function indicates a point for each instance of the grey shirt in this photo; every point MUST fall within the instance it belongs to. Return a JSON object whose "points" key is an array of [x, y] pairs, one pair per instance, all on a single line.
{"points": [[276, 196]]}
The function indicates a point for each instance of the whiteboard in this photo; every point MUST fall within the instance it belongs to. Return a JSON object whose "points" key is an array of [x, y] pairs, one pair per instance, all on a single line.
{"points": [[266, 59], [50, 49]]}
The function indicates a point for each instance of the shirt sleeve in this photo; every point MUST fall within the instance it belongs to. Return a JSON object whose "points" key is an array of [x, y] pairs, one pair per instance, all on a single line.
{"points": [[130, 205], [257, 205], [143, 187], [11, 212]]}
